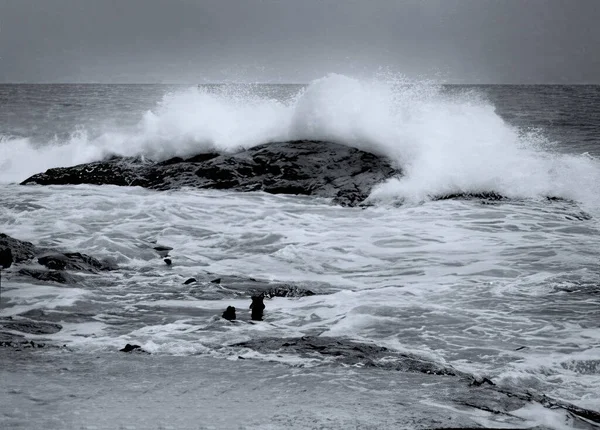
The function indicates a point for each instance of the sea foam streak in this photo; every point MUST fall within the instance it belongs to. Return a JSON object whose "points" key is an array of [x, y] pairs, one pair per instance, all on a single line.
{"points": [[444, 143]]}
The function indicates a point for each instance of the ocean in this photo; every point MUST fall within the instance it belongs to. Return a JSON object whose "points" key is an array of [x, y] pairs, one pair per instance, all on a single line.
{"points": [[506, 290]]}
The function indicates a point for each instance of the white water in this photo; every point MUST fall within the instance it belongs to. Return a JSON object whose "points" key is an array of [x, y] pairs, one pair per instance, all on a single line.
{"points": [[458, 282], [445, 143], [508, 290]]}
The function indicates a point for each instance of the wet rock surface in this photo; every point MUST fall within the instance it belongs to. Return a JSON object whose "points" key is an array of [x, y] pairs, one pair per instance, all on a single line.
{"points": [[16, 332], [313, 168], [182, 391], [20, 250], [30, 327], [49, 275], [468, 390], [18, 341], [135, 349], [74, 261], [58, 263], [349, 353]]}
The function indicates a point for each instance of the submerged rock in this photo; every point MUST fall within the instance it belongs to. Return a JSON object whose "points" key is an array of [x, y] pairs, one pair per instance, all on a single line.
{"points": [[229, 313], [163, 251], [48, 275], [283, 291], [58, 262], [257, 306], [74, 261], [314, 168], [19, 249], [31, 327], [6, 258], [17, 341], [133, 348], [347, 352]]}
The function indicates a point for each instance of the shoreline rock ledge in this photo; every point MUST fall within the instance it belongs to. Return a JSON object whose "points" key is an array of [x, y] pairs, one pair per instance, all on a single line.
{"points": [[323, 169]]}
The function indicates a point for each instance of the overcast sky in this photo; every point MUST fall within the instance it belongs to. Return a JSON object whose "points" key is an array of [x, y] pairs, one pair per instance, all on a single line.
{"points": [[189, 41]]}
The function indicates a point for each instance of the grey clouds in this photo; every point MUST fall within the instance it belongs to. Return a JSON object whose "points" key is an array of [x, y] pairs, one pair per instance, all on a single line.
{"points": [[195, 41]]}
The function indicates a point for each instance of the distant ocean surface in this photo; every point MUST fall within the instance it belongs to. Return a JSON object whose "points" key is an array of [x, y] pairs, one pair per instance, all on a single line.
{"points": [[509, 290]]}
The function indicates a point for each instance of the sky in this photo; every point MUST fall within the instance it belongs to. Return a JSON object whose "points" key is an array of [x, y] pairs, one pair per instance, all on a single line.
{"points": [[295, 41]]}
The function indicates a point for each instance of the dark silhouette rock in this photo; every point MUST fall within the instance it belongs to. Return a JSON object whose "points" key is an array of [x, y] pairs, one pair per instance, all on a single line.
{"points": [[257, 307], [31, 327], [56, 261], [20, 250], [347, 352], [163, 251], [229, 313], [134, 349], [49, 275], [18, 342], [216, 281], [74, 261], [190, 281], [6, 258], [168, 261], [321, 169]]}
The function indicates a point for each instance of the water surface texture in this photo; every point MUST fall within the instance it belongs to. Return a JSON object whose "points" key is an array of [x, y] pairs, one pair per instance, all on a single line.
{"points": [[506, 290]]}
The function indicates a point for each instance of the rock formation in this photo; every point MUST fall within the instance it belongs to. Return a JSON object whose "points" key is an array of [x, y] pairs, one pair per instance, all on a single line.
{"points": [[313, 168]]}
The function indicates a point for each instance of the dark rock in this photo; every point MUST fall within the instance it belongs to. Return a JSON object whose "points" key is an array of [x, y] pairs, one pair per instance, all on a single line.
{"points": [[49, 275], [190, 281], [20, 250], [49, 315], [11, 339], [134, 348], [31, 327], [480, 380], [128, 171], [484, 195], [74, 261], [18, 342], [346, 352], [216, 281], [285, 291], [168, 261], [321, 169], [6, 258], [257, 307], [229, 313], [163, 251]]}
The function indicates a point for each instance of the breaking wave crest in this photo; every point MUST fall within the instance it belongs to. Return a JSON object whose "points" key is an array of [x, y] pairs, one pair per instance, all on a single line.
{"points": [[445, 143]]}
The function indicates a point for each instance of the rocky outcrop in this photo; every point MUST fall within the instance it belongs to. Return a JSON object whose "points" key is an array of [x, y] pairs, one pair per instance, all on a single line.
{"points": [[58, 263], [349, 353], [13, 332], [282, 291], [74, 261], [49, 275], [20, 250], [313, 168], [133, 349]]}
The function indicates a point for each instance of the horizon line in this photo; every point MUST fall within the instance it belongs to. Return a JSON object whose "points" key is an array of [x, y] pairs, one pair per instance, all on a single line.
{"points": [[294, 83]]}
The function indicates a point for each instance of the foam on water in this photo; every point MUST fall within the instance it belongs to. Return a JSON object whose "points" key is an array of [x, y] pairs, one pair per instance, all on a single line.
{"points": [[507, 291], [445, 143]]}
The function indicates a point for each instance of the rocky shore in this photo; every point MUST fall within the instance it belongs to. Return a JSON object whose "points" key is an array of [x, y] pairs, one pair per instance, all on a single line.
{"points": [[322, 169]]}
